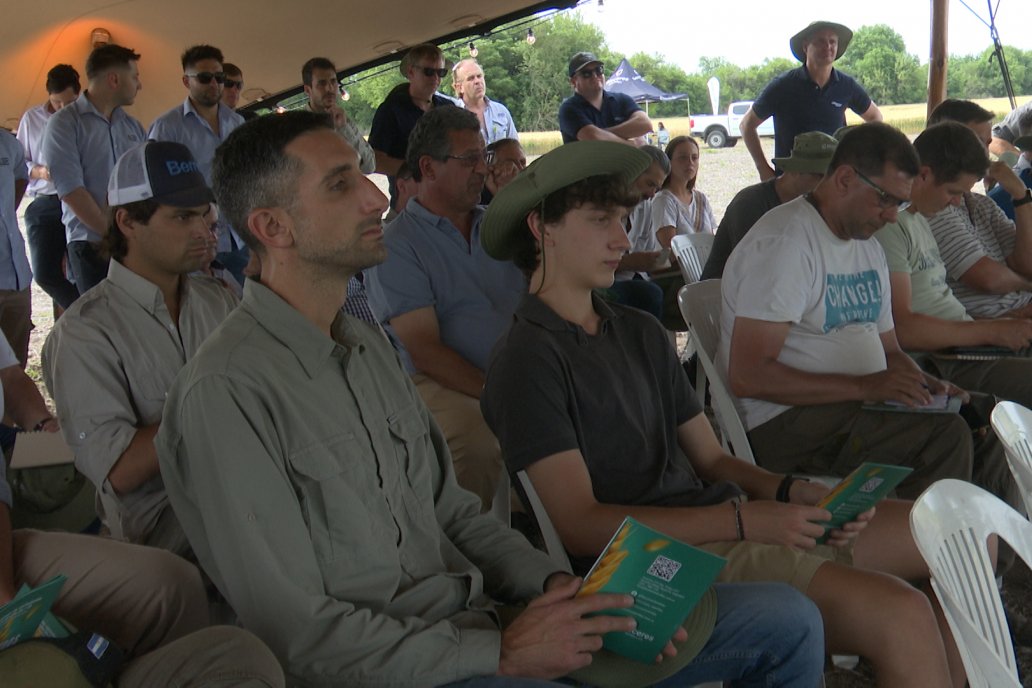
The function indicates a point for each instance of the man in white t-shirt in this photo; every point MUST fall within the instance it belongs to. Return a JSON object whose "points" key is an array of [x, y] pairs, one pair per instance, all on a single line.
{"points": [[807, 335]]}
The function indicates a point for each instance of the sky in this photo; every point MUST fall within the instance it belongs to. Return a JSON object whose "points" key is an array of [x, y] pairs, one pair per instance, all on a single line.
{"points": [[745, 32]]}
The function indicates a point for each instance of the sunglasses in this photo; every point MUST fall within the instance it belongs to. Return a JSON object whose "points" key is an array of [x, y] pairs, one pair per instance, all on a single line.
{"points": [[206, 77], [592, 72], [885, 199], [433, 71], [233, 83]]}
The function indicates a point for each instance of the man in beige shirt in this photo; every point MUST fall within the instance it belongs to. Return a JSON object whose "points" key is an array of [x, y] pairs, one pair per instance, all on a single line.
{"points": [[111, 358]]}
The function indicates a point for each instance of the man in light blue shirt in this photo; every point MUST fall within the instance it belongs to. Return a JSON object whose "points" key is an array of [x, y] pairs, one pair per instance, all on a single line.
{"points": [[82, 143], [495, 120], [15, 276], [43, 227], [443, 298], [201, 123]]}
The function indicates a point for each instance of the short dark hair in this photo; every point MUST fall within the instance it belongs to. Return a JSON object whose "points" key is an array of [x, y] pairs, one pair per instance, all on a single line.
{"points": [[404, 171], [196, 53], [430, 135], [62, 77], [950, 149], [502, 143], [115, 245], [315, 63], [604, 191], [658, 156], [108, 56], [419, 52], [252, 170], [963, 111], [869, 147], [231, 69]]}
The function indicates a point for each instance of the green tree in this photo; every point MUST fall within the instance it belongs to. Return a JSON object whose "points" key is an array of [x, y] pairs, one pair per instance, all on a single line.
{"points": [[878, 59]]}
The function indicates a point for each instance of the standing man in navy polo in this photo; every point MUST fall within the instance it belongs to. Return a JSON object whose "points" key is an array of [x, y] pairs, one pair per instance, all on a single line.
{"points": [[813, 97], [591, 113], [201, 123], [424, 67], [82, 143]]}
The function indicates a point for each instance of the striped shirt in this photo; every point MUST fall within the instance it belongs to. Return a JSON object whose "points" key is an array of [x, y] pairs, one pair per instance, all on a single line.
{"points": [[966, 234]]}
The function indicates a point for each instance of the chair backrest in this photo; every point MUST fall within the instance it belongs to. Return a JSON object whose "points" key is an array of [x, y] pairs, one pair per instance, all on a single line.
{"points": [[553, 545], [692, 251], [700, 306], [1013, 425], [500, 506], [951, 522]]}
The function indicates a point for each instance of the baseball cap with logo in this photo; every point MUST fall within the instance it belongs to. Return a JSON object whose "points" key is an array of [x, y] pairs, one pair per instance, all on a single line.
{"points": [[160, 170], [580, 61]]}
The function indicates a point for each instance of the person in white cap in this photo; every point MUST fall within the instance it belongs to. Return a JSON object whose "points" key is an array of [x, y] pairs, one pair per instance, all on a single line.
{"points": [[813, 97], [111, 357]]}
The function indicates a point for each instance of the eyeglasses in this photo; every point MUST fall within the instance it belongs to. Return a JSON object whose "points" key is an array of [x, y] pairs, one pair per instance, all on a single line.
{"points": [[592, 72], [206, 77], [233, 83], [885, 199], [469, 159], [433, 71]]}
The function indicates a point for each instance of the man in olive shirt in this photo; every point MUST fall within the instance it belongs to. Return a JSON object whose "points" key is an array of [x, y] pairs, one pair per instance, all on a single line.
{"points": [[315, 488], [112, 356]]}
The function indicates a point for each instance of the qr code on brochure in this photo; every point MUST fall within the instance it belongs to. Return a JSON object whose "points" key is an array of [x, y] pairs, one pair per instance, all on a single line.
{"points": [[663, 568]]}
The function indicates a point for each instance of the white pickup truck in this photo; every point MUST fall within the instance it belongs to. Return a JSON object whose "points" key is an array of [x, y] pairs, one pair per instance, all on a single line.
{"points": [[719, 131]]}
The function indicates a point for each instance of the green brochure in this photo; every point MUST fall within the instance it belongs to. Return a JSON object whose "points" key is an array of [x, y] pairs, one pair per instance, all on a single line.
{"points": [[859, 491], [21, 617], [666, 578]]}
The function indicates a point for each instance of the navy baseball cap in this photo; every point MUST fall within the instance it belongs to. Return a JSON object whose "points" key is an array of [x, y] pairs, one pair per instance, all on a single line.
{"points": [[160, 170]]}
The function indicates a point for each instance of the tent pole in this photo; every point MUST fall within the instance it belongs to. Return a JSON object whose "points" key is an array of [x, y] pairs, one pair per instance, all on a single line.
{"points": [[938, 59]]}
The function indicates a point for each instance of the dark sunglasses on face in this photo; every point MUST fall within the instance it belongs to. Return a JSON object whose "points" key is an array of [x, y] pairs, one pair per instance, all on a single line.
{"points": [[206, 77], [587, 73], [234, 83], [433, 71]]}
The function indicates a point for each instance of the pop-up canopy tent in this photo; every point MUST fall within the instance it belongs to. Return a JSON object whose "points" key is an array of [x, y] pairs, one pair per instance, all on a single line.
{"points": [[628, 81]]}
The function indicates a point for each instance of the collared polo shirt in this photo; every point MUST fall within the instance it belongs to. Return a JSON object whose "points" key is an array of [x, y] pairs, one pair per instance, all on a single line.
{"points": [[799, 105], [109, 362], [395, 118], [30, 134], [498, 122], [576, 113], [182, 124], [430, 263], [15, 273], [81, 147], [319, 495]]}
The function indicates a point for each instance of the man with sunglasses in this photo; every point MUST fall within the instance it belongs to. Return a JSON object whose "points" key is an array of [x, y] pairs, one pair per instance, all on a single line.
{"points": [[808, 341], [201, 123], [82, 143], [322, 86], [444, 299], [424, 68], [233, 89], [594, 114]]}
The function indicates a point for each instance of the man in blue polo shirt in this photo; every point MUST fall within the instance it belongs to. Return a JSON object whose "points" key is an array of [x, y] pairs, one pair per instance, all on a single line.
{"points": [[813, 97], [443, 298], [592, 113], [82, 143]]}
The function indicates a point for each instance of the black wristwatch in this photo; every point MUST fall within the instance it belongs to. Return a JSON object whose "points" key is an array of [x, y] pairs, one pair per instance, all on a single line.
{"points": [[1027, 198]]}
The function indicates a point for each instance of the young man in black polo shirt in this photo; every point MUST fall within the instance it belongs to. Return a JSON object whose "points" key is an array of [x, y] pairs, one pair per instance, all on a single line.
{"points": [[589, 398]]}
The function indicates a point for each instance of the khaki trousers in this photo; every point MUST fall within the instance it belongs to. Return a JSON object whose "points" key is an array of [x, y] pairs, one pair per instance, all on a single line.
{"points": [[474, 448], [148, 602]]}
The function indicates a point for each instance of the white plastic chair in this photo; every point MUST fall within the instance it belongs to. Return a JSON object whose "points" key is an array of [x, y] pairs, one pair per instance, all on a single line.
{"points": [[1013, 425], [700, 306], [951, 522], [553, 545], [692, 251]]}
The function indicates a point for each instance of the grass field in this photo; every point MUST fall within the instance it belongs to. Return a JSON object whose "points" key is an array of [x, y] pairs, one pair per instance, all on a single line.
{"points": [[907, 118]]}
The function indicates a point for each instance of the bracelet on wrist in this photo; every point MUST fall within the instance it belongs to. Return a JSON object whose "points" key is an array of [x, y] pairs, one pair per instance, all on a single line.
{"points": [[739, 528], [785, 487]]}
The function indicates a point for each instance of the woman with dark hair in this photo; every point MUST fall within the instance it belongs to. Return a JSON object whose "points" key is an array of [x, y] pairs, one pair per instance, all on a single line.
{"points": [[680, 208]]}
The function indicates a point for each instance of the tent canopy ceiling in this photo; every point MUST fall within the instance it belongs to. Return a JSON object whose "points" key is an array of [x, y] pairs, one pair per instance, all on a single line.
{"points": [[268, 40]]}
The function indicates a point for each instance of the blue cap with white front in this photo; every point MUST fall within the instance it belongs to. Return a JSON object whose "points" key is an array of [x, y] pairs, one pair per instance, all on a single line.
{"points": [[160, 170]]}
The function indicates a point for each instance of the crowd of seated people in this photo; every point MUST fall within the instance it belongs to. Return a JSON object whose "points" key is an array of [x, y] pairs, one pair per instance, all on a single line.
{"points": [[316, 448]]}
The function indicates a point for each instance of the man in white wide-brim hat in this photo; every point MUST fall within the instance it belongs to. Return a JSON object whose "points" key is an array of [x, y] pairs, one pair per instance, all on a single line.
{"points": [[813, 97]]}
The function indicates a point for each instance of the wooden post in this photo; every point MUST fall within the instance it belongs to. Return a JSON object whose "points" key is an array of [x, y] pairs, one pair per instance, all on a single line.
{"points": [[938, 58]]}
